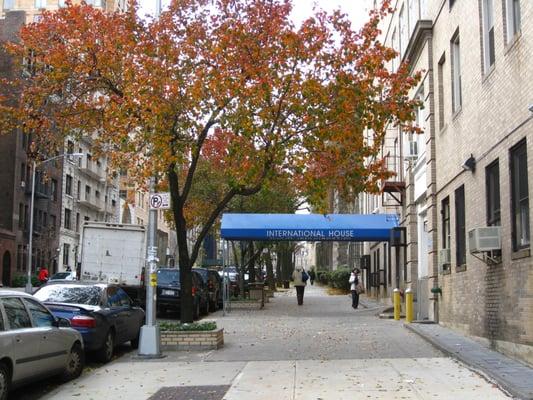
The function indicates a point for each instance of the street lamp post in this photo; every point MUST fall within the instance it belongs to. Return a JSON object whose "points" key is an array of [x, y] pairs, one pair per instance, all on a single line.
{"points": [[30, 239]]}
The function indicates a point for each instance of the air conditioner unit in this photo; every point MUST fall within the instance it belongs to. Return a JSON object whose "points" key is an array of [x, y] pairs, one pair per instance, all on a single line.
{"points": [[22, 184], [444, 257], [485, 239]]}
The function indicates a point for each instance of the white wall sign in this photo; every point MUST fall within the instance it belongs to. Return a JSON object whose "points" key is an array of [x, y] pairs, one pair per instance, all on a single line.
{"points": [[160, 201]]}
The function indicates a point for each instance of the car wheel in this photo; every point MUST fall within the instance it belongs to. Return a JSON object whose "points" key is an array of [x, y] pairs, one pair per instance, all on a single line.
{"points": [[75, 363], [105, 354], [135, 342], [5, 381]]}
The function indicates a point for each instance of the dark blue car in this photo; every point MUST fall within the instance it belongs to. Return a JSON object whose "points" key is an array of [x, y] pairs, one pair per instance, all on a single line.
{"points": [[169, 292], [103, 314]]}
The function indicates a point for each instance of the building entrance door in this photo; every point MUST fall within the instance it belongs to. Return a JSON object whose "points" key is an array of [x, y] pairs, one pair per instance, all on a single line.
{"points": [[6, 269]]}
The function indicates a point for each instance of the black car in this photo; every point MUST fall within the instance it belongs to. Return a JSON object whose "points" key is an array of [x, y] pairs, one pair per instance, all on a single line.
{"points": [[103, 313], [213, 281], [169, 292]]}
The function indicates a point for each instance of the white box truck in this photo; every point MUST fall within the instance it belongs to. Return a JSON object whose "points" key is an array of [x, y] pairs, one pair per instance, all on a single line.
{"points": [[114, 253]]}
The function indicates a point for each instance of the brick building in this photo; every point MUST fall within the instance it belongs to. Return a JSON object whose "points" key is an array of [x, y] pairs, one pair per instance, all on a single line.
{"points": [[15, 180], [469, 169]]}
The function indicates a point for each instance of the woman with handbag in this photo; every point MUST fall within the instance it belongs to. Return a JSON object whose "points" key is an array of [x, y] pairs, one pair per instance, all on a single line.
{"points": [[354, 287], [300, 277]]}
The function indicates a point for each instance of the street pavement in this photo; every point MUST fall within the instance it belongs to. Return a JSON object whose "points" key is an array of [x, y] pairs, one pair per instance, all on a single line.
{"points": [[319, 351]]}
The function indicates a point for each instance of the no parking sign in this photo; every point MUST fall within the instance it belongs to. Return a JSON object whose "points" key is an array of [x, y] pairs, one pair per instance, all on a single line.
{"points": [[160, 201]]}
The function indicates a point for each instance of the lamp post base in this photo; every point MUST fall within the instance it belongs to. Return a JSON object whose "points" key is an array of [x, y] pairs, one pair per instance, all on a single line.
{"points": [[29, 288], [150, 342]]}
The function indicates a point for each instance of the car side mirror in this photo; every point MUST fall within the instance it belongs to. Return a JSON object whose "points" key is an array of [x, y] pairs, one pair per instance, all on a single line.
{"points": [[62, 323]]}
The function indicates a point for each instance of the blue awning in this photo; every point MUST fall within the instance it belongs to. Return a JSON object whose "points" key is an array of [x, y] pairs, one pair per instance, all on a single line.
{"points": [[308, 227]]}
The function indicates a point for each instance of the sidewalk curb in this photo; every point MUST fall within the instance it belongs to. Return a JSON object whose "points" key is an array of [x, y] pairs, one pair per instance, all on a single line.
{"points": [[501, 381]]}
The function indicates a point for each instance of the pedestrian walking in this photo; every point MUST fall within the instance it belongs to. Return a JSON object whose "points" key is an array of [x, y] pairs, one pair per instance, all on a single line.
{"points": [[43, 275], [312, 276], [300, 277], [354, 283]]}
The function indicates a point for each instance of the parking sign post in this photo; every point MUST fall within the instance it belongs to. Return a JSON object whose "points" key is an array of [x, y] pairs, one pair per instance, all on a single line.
{"points": [[150, 340]]}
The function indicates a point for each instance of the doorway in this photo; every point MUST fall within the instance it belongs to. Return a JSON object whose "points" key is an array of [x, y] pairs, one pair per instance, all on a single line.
{"points": [[6, 268]]}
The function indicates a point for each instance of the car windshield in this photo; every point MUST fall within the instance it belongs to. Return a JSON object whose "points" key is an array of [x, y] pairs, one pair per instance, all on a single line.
{"points": [[60, 275], [73, 294], [168, 277], [202, 272]]}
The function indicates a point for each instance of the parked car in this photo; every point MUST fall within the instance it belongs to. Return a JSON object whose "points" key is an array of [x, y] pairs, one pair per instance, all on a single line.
{"points": [[103, 313], [233, 276], [169, 292], [214, 287], [63, 276], [34, 344]]}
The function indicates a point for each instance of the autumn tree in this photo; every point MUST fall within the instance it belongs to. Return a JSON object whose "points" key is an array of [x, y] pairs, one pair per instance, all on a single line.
{"points": [[230, 86]]}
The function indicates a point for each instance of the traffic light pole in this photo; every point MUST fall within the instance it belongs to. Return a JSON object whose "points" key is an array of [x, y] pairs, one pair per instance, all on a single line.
{"points": [[150, 340]]}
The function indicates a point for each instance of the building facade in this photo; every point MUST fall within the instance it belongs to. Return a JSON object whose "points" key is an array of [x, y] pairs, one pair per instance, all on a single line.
{"points": [[90, 193], [469, 170], [34, 8], [16, 181]]}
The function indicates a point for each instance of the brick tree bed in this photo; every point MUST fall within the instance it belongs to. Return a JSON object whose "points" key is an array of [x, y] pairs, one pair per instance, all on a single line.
{"points": [[196, 336]]}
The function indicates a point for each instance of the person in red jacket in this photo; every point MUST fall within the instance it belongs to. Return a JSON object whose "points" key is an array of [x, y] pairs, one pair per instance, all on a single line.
{"points": [[43, 275]]}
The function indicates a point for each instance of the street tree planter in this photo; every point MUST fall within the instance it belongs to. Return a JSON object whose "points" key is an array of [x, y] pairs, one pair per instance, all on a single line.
{"points": [[247, 304], [192, 340]]}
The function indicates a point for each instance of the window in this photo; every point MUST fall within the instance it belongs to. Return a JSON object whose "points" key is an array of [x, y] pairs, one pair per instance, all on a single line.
{"points": [[394, 41], [40, 315], [97, 194], [403, 31], [16, 313], [87, 192], [513, 22], [40, 3], [26, 219], [78, 191], [54, 190], [45, 219], [460, 228], [413, 11], [446, 235], [77, 222], [519, 196], [68, 185], [492, 177], [456, 73], [488, 34], [53, 222], [68, 224], [61, 3], [450, 4], [21, 215], [440, 77], [66, 251], [9, 4], [20, 254]]}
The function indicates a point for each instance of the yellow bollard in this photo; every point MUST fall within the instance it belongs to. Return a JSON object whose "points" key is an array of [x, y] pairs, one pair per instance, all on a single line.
{"points": [[409, 305], [397, 304]]}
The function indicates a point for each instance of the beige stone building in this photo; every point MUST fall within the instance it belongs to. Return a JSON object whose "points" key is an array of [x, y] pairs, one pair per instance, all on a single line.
{"points": [[34, 8], [469, 169]]}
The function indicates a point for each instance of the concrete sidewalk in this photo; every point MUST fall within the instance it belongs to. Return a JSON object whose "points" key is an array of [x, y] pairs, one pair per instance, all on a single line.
{"points": [[323, 350], [399, 378], [515, 377]]}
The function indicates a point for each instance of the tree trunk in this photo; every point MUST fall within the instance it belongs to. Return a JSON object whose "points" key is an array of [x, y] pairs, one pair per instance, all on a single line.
{"points": [[186, 299], [270, 272], [279, 278], [251, 263]]}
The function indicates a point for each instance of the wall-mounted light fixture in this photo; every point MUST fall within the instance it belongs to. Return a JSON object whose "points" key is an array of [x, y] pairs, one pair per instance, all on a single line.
{"points": [[470, 164]]}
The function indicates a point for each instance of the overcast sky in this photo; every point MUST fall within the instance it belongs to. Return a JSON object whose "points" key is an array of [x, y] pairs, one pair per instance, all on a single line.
{"points": [[356, 9]]}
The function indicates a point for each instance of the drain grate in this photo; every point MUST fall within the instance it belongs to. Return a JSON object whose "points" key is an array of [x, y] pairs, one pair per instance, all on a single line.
{"points": [[190, 393]]}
